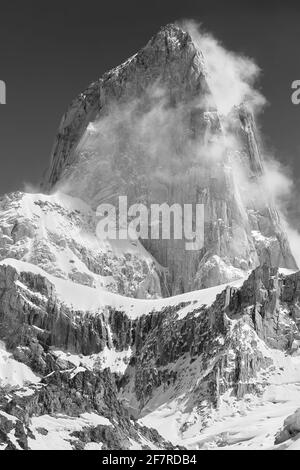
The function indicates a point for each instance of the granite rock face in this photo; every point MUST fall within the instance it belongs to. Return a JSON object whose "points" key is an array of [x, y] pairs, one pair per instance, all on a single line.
{"points": [[149, 130]]}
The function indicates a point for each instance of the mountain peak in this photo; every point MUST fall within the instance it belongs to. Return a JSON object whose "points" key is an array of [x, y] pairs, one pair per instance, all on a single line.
{"points": [[172, 33], [170, 60], [170, 56]]}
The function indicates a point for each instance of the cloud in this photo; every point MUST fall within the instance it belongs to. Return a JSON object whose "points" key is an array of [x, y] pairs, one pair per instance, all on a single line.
{"points": [[145, 142], [231, 76], [31, 188]]}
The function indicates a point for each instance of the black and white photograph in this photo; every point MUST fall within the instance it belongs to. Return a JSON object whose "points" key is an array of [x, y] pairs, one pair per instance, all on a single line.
{"points": [[149, 228]]}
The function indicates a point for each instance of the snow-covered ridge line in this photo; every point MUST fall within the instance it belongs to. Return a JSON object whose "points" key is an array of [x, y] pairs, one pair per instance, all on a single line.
{"points": [[93, 300]]}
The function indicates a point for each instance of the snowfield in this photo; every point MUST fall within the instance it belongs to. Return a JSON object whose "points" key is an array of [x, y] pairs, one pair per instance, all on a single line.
{"points": [[14, 373], [59, 429], [252, 423]]}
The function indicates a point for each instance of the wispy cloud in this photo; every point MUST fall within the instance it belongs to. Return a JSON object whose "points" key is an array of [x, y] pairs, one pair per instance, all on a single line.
{"points": [[231, 76]]}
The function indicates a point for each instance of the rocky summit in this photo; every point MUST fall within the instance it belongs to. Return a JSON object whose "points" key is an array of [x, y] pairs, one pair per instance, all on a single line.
{"points": [[142, 344]]}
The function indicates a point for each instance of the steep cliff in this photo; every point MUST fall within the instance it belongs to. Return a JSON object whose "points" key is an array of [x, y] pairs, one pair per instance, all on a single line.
{"points": [[149, 130], [95, 362]]}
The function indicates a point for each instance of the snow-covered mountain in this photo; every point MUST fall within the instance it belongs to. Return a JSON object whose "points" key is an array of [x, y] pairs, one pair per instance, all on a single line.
{"points": [[142, 344]]}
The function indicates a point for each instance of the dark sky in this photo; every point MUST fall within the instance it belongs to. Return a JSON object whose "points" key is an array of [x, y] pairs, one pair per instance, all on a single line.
{"points": [[50, 51]]}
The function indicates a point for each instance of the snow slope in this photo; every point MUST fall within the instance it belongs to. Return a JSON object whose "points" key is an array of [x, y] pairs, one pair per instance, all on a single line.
{"points": [[14, 373], [59, 429], [250, 423]]}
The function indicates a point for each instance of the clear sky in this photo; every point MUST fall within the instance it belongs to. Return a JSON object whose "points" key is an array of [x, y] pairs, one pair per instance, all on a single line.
{"points": [[50, 51]]}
